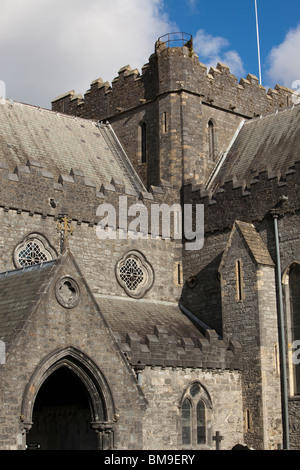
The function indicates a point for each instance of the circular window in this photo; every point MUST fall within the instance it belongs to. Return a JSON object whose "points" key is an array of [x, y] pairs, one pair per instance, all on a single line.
{"points": [[134, 274], [67, 292]]}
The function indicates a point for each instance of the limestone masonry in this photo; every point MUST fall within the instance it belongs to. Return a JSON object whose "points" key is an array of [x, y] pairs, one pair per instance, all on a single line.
{"points": [[129, 343]]}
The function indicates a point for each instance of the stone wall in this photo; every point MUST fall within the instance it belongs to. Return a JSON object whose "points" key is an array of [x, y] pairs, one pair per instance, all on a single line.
{"points": [[164, 389], [49, 329], [203, 295], [33, 202], [176, 96]]}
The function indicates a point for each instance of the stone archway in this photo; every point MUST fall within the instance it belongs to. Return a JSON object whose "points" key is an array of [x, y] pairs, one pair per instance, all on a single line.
{"points": [[91, 403]]}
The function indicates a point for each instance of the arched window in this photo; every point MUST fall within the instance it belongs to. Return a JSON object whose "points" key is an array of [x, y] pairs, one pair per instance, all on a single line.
{"points": [[211, 141], [186, 421], [195, 426], [201, 423], [294, 293]]}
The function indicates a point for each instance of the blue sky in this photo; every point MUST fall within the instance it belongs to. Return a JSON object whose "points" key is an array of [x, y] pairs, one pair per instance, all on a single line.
{"points": [[234, 20], [49, 47]]}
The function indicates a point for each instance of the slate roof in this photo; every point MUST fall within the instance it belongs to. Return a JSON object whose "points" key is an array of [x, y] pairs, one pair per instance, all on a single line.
{"points": [[161, 334], [270, 142], [19, 290], [148, 332], [255, 243], [60, 143], [140, 317]]}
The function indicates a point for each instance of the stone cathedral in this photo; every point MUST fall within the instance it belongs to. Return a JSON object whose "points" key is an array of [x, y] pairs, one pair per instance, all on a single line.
{"points": [[126, 341]]}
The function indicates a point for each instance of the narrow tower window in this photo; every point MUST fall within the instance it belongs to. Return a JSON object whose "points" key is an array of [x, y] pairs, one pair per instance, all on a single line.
{"points": [[143, 142], [211, 141], [178, 273], [165, 122], [239, 280], [248, 421]]}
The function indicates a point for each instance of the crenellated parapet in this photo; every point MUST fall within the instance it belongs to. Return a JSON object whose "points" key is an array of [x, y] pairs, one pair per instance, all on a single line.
{"points": [[34, 189], [164, 350], [174, 70], [102, 100], [248, 201]]}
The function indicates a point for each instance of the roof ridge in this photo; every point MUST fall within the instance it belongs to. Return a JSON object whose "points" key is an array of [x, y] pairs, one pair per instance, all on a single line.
{"points": [[272, 113], [41, 265], [7, 101]]}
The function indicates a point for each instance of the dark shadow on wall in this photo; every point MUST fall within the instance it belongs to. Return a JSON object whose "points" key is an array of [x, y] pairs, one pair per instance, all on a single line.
{"points": [[201, 295]]}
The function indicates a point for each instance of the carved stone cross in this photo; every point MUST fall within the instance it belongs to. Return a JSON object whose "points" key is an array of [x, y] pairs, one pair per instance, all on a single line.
{"points": [[218, 438]]}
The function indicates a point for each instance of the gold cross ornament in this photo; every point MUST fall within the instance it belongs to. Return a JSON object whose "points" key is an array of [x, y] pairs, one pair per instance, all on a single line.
{"points": [[65, 229]]}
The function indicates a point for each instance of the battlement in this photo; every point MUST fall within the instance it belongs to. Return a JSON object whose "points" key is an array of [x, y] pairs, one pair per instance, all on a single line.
{"points": [[164, 350], [248, 201], [34, 189], [174, 70]]}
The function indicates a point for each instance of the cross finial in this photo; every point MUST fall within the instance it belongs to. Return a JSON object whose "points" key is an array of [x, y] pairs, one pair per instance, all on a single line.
{"points": [[218, 438], [65, 229]]}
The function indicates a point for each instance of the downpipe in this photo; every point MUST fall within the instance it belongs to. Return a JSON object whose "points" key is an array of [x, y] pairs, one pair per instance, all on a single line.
{"points": [[282, 345]]}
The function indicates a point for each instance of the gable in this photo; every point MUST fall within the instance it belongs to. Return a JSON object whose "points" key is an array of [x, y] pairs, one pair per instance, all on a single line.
{"points": [[48, 298], [253, 244]]}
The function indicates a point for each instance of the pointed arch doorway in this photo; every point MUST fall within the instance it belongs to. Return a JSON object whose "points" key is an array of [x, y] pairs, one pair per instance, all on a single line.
{"points": [[68, 405], [61, 415]]}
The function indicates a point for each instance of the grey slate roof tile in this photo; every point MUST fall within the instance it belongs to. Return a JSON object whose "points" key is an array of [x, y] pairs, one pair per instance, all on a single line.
{"points": [[60, 143], [18, 292], [140, 317], [269, 142]]}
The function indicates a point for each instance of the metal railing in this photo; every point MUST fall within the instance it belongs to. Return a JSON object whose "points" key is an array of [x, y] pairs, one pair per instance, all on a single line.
{"points": [[178, 39]]}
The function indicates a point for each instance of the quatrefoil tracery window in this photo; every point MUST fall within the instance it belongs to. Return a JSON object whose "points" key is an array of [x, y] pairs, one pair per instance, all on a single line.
{"points": [[134, 274], [131, 274], [34, 249]]}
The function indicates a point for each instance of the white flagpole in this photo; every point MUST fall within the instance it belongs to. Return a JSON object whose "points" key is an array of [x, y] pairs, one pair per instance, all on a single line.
{"points": [[258, 47]]}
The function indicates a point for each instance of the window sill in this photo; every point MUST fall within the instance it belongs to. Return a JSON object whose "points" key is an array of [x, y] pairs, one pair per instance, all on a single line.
{"points": [[294, 398]]}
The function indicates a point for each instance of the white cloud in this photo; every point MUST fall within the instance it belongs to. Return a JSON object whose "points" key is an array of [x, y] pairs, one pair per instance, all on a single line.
{"points": [[283, 60], [234, 62], [213, 49], [48, 47], [208, 45]]}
